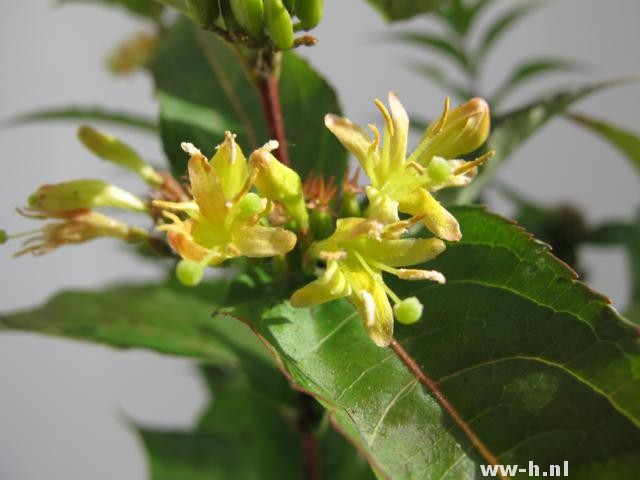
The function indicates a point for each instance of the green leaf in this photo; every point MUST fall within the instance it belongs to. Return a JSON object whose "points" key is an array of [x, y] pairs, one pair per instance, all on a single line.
{"points": [[538, 366], [393, 10], [500, 26], [511, 130], [460, 14], [628, 143], [204, 91], [438, 44], [440, 78], [86, 114], [143, 8], [529, 70]]}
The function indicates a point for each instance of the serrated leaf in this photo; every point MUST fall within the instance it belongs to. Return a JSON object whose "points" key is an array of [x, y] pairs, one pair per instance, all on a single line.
{"points": [[204, 91], [538, 367], [500, 26], [393, 10], [627, 142], [438, 44], [509, 131], [86, 114], [529, 70], [143, 8]]}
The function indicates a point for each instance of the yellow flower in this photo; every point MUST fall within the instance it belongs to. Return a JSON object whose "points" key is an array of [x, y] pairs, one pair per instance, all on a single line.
{"points": [[356, 255], [77, 226], [401, 183], [224, 217]]}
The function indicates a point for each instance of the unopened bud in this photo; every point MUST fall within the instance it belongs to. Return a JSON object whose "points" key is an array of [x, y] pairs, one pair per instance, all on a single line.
{"points": [[3, 237], [113, 150], [189, 273], [83, 194], [309, 12], [249, 14], [251, 204], [321, 224], [459, 132], [277, 182], [279, 24], [439, 170], [408, 311], [350, 206], [203, 12]]}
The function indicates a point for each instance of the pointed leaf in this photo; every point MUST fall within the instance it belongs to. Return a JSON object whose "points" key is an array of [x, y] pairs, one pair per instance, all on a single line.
{"points": [[440, 78], [530, 70], [511, 130], [86, 114], [460, 15], [628, 143], [500, 26], [438, 44], [204, 91], [537, 366], [393, 10]]}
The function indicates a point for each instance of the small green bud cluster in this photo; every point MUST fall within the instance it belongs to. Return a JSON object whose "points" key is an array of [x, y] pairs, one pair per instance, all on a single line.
{"points": [[259, 20]]}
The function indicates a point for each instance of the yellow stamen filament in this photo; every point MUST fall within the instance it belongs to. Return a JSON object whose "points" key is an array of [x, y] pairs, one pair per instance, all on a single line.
{"points": [[365, 265], [474, 163], [386, 115], [437, 128]]}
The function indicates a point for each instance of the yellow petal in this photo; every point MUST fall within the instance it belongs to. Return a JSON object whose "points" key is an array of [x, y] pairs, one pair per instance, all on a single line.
{"points": [[374, 308], [400, 121], [205, 186], [330, 286], [231, 166], [184, 245], [436, 218], [353, 137], [403, 252], [259, 241]]}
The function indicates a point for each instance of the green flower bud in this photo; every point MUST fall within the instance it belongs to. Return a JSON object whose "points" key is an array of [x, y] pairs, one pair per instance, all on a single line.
{"points": [[3, 237], [309, 12], [249, 14], [251, 204], [321, 224], [189, 273], [408, 311], [279, 24], [113, 150], [279, 183], [439, 170], [350, 206], [204, 12], [83, 194]]}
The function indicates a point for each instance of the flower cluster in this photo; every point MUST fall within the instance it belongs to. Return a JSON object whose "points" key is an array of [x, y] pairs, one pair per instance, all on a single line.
{"points": [[361, 249]]}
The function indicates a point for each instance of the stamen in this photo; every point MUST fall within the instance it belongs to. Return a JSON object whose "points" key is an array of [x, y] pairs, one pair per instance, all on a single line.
{"points": [[365, 265], [437, 128], [376, 138], [417, 167], [191, 150], [413, 275], [327, 256], [474, 163], [385, 114], [179, 206]]}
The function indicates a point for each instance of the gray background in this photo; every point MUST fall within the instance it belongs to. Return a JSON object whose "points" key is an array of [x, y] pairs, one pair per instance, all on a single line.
{"points": [[63, 404]]}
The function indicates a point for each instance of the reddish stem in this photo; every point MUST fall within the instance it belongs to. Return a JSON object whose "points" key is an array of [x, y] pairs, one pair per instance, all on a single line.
{"points": [[309, 441], [270, 97], [432, 386]]}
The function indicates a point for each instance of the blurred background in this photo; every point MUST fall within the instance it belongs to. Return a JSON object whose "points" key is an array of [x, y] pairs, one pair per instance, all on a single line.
{"points": [[64, 406]]}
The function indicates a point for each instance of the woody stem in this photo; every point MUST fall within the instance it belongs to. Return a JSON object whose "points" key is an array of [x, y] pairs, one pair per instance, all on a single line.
{"points": [[266, 69]]}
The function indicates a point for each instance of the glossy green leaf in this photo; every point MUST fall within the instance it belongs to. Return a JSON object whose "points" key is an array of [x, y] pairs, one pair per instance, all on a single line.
{"points": [[628, 143], [530, 70], [86, 114], [438, 44], [204, 91], [511, 130], [501, 26], [538, 367], [143, 8], [393, 10]]}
